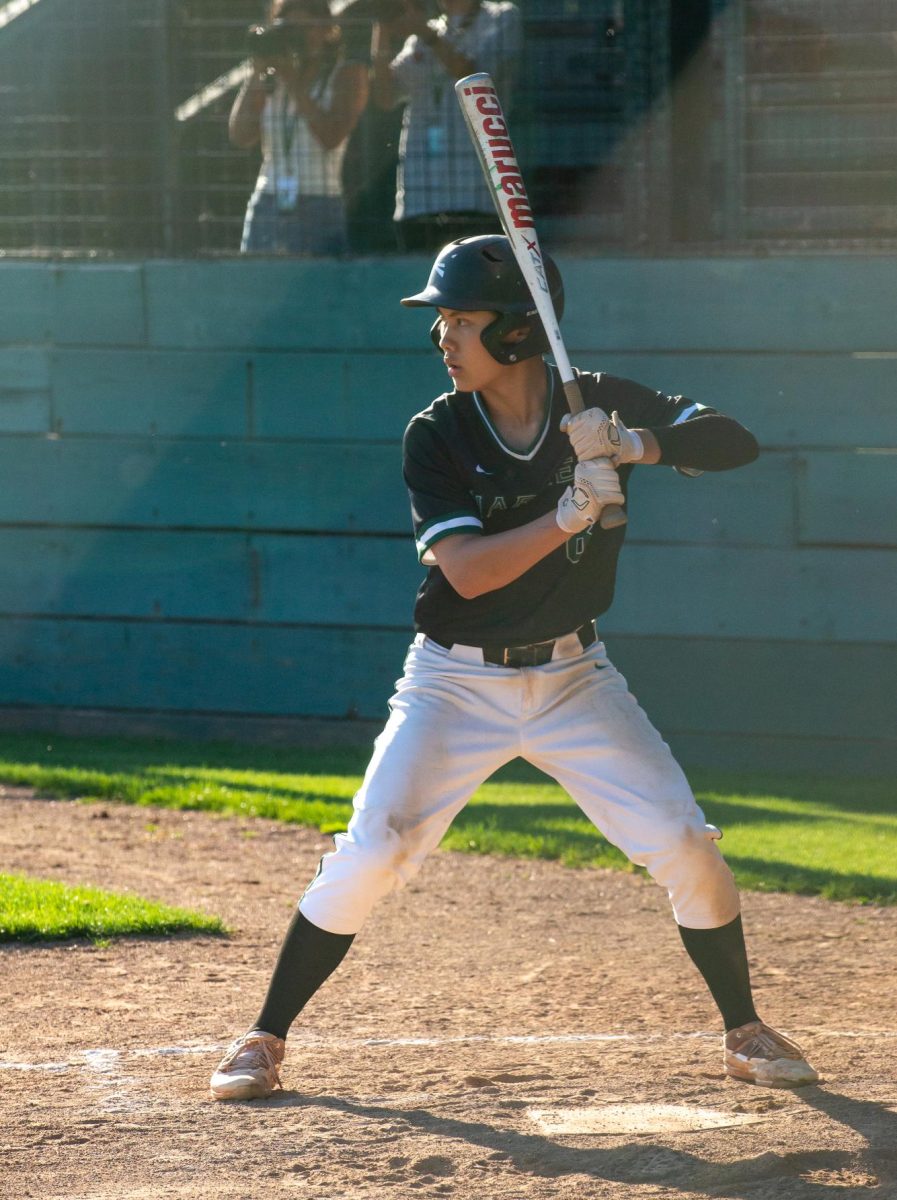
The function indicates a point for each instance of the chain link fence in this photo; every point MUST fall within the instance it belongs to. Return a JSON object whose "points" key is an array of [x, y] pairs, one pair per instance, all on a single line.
{"points": [[645, 127]]}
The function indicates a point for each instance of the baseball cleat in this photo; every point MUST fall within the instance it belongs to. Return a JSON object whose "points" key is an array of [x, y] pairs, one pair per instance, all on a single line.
{"points": [[755, 1053], [249, 1069]]}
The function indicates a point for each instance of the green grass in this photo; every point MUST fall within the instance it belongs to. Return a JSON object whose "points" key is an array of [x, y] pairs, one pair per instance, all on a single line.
{"points": [[809, 834], [34, 910]]}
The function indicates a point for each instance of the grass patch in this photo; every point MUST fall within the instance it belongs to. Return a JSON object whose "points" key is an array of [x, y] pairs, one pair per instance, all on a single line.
{"points": [[33, 910], [809, 834]]}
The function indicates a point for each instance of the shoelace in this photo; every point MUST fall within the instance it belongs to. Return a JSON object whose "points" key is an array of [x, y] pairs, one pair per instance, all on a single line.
{"points": [[258, 1053], [764, 1042]]}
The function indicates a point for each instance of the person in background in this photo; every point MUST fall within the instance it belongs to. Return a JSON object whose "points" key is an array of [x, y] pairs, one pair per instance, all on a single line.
{"points": [[440, 191], [301, 102]]}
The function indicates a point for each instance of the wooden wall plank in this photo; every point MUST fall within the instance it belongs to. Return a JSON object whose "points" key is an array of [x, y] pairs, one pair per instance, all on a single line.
{"points": [[798, 595], [750, 506], [198, 667], [265, 485], [838, 756], [849, 498], [315, 304], [350, 581], [358, 397], [783, 303], [134, 574], [26, 302], [168, 575], [751, 688], [149, 393], [24, 369], [201, 393], [24, 389], [99, 304]]}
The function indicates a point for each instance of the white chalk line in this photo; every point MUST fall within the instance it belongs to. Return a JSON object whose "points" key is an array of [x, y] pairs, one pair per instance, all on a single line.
{"points": [[106, 1064]]}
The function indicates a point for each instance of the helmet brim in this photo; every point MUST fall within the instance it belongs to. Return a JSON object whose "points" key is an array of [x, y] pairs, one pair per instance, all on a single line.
{"points": [[428, 298], [431, 297]]}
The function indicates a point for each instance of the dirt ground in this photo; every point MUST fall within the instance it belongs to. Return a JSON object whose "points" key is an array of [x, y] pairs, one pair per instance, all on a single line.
{"points": [[500, 1031]]}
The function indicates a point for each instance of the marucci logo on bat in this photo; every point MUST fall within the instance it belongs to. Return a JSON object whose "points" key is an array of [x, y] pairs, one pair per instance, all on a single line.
{"points": [[503, 164]]}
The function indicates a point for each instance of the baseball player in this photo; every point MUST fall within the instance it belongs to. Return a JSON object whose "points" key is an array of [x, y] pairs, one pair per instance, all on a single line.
{"points": [[506, 494]]}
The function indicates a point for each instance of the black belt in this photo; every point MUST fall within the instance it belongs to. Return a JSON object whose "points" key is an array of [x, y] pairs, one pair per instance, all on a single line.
{"points": [[537, 653]]}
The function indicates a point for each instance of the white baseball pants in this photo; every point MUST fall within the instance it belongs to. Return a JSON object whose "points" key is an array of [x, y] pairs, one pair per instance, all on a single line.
{"points": [[455, 720]]}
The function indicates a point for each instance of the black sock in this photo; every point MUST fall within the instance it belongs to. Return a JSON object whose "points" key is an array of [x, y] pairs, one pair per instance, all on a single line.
{"points": [[307, 957], [721, 957]]}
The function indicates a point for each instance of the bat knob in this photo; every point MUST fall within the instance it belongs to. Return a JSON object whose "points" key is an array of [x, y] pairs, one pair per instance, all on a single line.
{"points": [[612, 517]]}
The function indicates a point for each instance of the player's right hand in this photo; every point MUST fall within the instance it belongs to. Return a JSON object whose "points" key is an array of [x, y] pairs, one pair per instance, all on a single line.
{"points": [[592, 435], [595, 485]]}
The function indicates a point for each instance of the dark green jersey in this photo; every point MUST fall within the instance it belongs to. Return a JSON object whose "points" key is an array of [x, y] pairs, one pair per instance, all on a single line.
{"points": [[462, 478]]}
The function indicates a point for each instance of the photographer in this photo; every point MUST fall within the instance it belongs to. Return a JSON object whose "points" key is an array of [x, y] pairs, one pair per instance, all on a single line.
{"points": [[440, 192], [301, 101]]}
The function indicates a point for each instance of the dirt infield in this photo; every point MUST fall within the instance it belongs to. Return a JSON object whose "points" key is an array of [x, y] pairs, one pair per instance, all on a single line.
{"points": [[500, 1031]]}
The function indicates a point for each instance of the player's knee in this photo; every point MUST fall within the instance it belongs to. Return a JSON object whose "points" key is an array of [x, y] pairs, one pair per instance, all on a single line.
{"points": [[351, 880], [697, 878]]}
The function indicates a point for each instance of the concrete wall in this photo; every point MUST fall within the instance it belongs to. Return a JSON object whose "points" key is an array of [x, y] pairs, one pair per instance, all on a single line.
{"points": [[202, 510]]}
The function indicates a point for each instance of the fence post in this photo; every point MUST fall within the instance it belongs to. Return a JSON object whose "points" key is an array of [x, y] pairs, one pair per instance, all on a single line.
{"points": [[166, 140], [731, 31]]}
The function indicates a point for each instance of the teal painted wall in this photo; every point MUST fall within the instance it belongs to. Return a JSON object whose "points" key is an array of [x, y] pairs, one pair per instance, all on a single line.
{"points": [[203, 511]]}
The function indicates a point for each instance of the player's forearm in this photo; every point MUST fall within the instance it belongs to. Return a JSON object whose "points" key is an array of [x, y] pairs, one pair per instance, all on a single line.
{"points": [[475, 565], [706, 443], [651, 446]]}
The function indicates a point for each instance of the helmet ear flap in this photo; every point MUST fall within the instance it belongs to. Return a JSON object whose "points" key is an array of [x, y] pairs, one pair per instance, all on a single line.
{"points": [[493, 338]]}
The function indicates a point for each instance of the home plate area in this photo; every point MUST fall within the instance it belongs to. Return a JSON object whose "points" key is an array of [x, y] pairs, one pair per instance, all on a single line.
{"points": [[635, 1119]]}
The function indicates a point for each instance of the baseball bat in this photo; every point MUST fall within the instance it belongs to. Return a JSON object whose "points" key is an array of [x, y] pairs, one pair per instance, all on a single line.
{"points": [[489, 133]]}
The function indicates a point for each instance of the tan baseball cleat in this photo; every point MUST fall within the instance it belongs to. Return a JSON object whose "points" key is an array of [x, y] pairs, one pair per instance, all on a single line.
{"points": [[756, 1053], [249, 1069]]}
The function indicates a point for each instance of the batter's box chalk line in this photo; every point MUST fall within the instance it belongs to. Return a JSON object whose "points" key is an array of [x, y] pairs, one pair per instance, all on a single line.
{"points": [[107, 1064]]}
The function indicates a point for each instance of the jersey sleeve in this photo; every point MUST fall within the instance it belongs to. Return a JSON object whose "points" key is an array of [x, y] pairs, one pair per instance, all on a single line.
{"points": [[441, 504], [692, 437]]}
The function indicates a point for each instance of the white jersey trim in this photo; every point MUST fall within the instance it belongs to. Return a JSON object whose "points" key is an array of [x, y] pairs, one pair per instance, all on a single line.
{"points": [[689, 412], [689, 472], [537, 444], [440, 529]]}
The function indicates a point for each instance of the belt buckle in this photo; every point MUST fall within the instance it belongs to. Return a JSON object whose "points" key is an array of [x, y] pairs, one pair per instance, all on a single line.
{"points": [[524, 656]]}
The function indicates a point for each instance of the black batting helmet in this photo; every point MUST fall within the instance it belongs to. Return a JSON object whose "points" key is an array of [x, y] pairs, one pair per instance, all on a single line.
{"points": [[481, 273]]}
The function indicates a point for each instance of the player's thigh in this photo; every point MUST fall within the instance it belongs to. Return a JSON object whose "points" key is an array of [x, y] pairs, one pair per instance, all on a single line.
{"points": [[599, 744], [442, 740]]}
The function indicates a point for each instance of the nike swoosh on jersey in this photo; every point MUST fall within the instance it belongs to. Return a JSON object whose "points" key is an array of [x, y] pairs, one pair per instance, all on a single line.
{"points": [[482, 470]]}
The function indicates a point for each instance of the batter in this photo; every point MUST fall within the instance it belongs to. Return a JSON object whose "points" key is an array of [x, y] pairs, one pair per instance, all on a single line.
{"points": [[506, 494]]}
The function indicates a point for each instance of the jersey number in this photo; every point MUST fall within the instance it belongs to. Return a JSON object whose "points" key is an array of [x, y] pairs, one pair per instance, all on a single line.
{"points": [[576, 546]]}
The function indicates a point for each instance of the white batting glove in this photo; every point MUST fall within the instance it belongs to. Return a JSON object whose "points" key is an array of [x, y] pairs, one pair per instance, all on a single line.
{"points": [[595, 485], [592, 435]]}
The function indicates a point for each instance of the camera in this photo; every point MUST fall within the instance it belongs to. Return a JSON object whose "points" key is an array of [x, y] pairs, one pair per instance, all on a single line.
{"points": [[280, 39]]}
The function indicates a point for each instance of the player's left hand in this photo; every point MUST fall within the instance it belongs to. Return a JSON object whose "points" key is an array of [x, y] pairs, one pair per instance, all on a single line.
{"points": [[592, 435], [595, 485]]}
